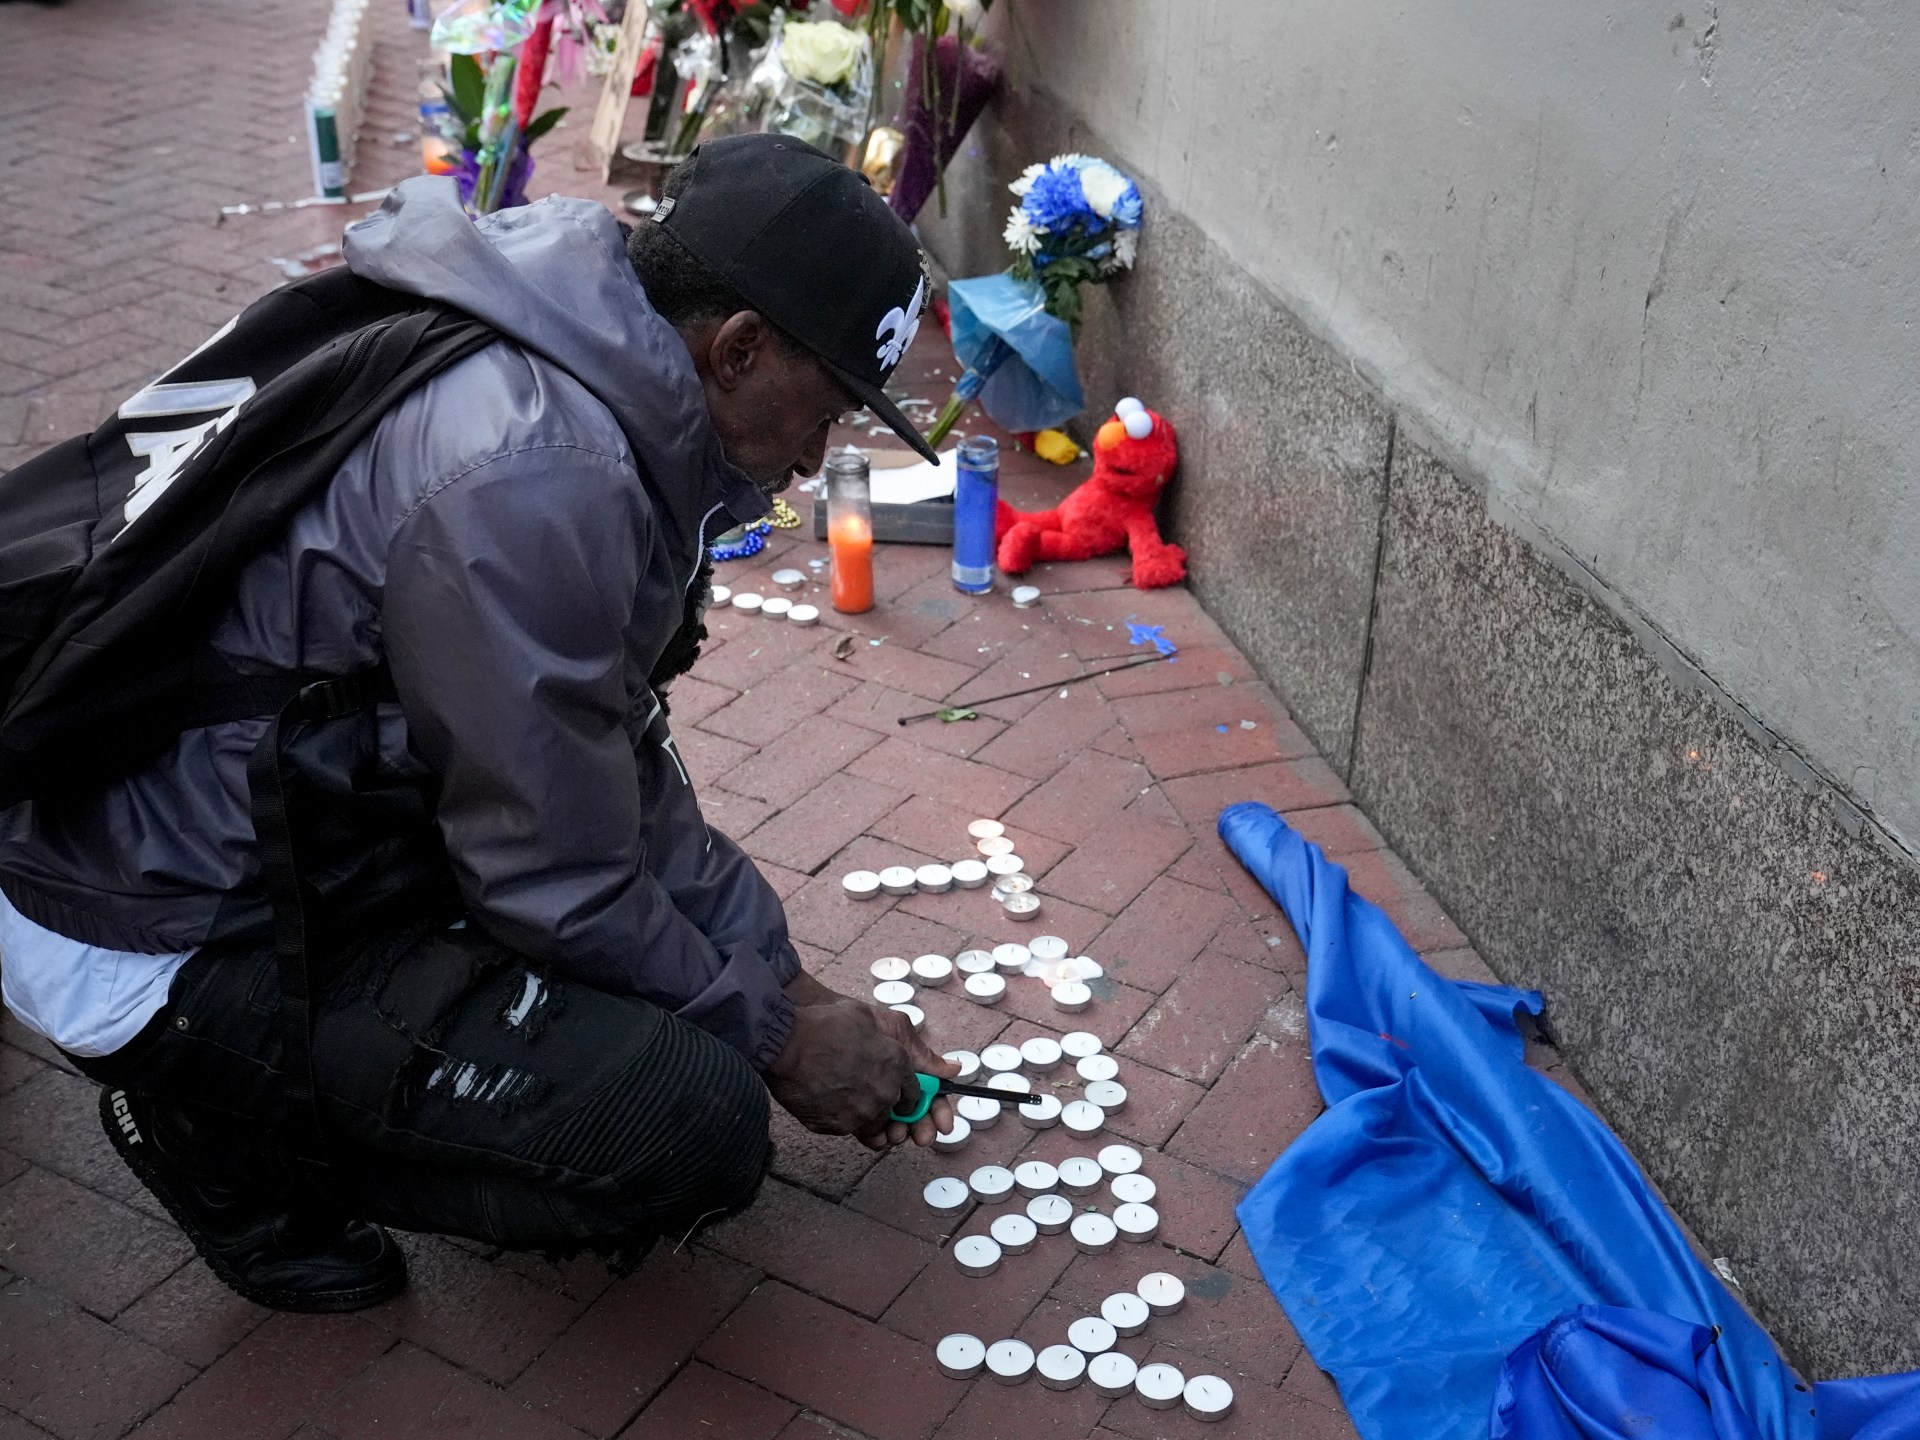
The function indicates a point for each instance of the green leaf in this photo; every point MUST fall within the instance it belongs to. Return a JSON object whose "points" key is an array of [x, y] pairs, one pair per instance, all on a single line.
{"points": [[957, 713], [542, 123], [469, 86]]}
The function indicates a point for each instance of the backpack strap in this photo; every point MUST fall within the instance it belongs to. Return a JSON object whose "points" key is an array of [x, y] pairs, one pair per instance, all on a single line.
{"points": [[275, 828]]}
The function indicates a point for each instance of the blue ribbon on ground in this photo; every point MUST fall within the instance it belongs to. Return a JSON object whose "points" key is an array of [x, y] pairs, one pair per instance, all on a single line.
{"points": [[1465, 1247]]}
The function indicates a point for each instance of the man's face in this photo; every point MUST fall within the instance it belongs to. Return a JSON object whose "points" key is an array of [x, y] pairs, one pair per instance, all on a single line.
{"points": [[772, 403]]}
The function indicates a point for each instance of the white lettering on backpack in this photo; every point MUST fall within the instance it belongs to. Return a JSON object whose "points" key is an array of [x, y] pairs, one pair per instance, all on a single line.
{"points": [[167, 453]]}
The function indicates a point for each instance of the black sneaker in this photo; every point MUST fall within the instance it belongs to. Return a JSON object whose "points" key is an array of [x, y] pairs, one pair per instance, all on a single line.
{"points": [[280, 1260]]}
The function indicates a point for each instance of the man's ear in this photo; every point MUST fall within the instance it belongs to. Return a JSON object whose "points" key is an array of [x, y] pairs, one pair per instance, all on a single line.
{"points": [[738, 346]]}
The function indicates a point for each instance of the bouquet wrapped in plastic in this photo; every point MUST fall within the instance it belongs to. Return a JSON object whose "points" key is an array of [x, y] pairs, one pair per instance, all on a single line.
{"points": [[814, 82], [1077, 223]]}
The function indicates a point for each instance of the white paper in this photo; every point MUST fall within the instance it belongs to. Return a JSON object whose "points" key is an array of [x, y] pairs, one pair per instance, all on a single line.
{"points": [[910, 484]]}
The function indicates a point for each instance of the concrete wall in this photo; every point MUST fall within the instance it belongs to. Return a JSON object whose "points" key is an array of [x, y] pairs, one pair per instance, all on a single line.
{"points": [[1546, 379]]}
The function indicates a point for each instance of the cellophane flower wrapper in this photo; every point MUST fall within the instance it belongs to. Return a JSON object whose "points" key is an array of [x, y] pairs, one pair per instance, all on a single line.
{"points": [[812, 85], [1077, 223], [934, 139]]}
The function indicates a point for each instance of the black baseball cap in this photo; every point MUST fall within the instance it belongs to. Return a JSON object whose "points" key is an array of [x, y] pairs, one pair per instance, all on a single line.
{"points": [[809, 244]]}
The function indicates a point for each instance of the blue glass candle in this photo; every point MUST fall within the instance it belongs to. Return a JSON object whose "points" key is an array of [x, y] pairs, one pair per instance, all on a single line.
{"points": [[976, 495]]}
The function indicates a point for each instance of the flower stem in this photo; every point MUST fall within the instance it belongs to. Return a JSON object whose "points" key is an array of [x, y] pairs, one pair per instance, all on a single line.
{"points": [[949, 417]]}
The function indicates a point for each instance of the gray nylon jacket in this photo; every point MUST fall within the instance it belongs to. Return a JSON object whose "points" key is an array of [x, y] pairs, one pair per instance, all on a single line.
{"points": [[515, 539]]}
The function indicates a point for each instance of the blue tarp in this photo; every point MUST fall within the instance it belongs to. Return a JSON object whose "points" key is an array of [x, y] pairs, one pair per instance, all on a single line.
{"points": [[1453, 1208]]}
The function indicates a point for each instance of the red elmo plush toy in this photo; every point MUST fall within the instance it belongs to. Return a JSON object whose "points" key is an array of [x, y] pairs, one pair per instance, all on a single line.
{"points": [[1133, 459]]}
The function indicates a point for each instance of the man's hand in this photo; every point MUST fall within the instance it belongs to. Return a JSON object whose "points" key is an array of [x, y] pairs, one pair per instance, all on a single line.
{"points": [[847, 1063]]}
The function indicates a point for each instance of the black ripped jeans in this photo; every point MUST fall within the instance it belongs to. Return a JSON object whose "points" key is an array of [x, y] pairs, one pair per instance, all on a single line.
{"points": [[461, 1092]]}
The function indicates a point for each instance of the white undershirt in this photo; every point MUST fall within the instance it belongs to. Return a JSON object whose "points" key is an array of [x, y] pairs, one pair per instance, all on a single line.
{"points": [[86, 1000]]}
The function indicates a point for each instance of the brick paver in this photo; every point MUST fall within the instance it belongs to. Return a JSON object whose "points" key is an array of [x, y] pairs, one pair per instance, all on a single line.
{"points": [[811, 1316]]}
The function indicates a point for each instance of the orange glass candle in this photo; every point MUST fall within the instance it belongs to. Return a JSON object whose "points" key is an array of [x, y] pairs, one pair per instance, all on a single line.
{"points": [[850, 531]]}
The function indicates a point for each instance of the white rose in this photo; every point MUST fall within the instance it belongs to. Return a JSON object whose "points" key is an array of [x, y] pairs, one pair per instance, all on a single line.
{"points": [[822, 52], [1103, 186]]}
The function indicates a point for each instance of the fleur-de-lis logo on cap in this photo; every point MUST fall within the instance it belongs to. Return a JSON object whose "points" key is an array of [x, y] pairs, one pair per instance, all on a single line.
{"points": [[898, 327]]}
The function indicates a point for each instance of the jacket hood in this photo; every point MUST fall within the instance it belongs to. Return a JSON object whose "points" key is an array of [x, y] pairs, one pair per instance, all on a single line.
{"points": [[553, 277]]}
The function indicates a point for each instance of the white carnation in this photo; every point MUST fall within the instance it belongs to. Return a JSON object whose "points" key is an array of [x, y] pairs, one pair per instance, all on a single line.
{"points": [[1103, 186], [1032, 173], [1021, 235]]}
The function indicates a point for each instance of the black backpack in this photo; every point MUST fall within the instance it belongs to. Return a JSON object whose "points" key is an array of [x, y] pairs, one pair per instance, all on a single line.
{"points": [[118, 548]]}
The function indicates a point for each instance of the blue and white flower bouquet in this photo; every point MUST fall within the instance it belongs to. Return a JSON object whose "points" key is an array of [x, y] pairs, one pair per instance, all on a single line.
{"points": [[1077, 223]]}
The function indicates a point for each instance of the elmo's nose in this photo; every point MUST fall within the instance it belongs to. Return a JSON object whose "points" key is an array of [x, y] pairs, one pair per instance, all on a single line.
{"points": [[1109, 435]]}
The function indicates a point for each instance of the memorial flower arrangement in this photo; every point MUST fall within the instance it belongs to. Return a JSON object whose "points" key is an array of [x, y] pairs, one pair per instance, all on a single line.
{"points": [[1077, 224], [490, 94]]}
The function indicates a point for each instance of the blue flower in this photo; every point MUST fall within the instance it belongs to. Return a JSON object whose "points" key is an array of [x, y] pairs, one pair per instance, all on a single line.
{"points": [[1056, 200], [1126, 210]]}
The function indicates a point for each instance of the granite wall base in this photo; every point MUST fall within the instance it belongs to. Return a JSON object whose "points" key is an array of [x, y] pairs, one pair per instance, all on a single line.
{"points": [[1733, 972]]}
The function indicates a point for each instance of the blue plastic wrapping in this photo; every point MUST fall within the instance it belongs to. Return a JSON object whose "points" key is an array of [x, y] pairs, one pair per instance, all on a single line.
{"points": [[1453, 1208], [1038, 387]]}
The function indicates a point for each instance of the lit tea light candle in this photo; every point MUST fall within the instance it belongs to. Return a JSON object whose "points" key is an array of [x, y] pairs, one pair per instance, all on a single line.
{"points": [[747, 602], [1163, 1293], [985, 989], [1207, 1397], [1042, 1114], [978, 1111], [973, 962], [1011, 957], [969, 874], [1010, 1361], [946, 1196], [1072, 996], [1093, 1233], [1050, 1213], [915, 1015], [1159, 1386], [976, 1255], [1005, 865], [893, 992], [991, 1184], [955, 1138], [1024, 907], [986, 829], [1137, 1223], [776, 607], [1126, 1312], [1083, 1119], [1133, 1189], [1056, 972], [968, 1062], [1001, 1059], [897, 880], [1112, 1373], [934, 879], [1047, 947], [1109, 1095], [1007, 885], [961, 1357], [890, 967], [1091, 1335], [861, 884], [1119, 1159], [1040, 1053], [804, 615], [1097, 1067], [933, 970], [1080, 1176], [994, 845], [1014, 1234], [1060, 1367], [1035, 1177], [1081, 1044]]}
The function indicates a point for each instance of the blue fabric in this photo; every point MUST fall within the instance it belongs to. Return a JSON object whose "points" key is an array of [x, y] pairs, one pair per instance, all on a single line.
{"points": [[1452, 1208], [1039, 387]]}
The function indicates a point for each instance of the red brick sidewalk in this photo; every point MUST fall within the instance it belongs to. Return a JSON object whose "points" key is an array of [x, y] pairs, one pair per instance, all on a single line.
{"points": [[130, 122]]}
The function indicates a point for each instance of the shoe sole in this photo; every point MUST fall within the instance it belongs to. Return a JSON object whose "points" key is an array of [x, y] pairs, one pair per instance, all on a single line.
{"points": [[124, 1135]]}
